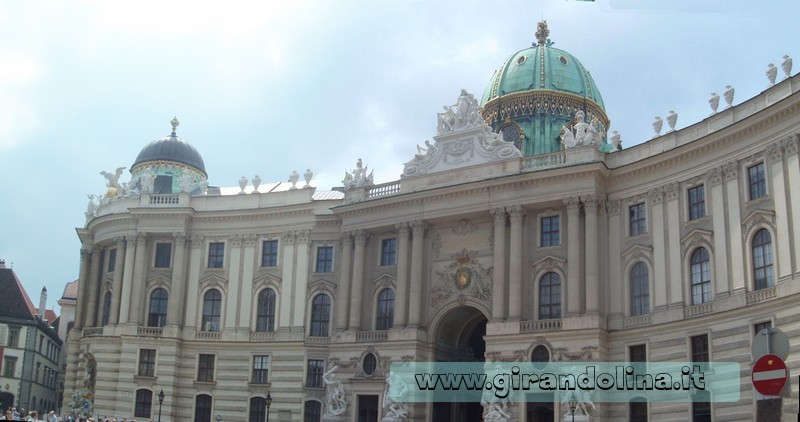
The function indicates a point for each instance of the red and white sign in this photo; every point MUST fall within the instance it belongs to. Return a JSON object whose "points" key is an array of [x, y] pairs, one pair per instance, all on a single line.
{"points": [[769, 375]]}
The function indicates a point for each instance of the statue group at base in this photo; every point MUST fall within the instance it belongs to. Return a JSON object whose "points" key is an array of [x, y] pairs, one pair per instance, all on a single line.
{"points": [[581, 401], [394, 409], [335, 397]]}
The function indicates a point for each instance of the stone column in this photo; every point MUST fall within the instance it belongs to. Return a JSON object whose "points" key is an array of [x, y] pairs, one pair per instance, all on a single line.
{"points": [[499, 265], [301, 278], [139, 280], [737, 275], [592, 246], [675, 292], [416, 281], [83, 285], [616, 284], [516, 214], [357, 292], [343, 295], [574, 248], [177, 294], [659, 248], [249, 262], [231, 310], [782, 252], [94, 287], [127, 279], [793, 170], [192, 295], [401, 290], [720, 237], [287, 271], [116, 286]]}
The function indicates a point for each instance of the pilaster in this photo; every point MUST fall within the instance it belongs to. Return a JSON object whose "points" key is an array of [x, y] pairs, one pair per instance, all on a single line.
{"points": [[737, 274], [127, 279], [793, 174], [574, 249], [357, 292], [516, 214], [287, 240], [401, 289], [139, 280], [592, 297], [499, 269], [416, 282], [177, 295], [675, 292], [232, 296], [720, 257], [116, 286], [656, 197], [775, 157], [301, 277], [343, 291]]}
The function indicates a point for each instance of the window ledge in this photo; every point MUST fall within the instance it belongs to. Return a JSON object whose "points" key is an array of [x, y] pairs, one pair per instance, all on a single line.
{"points": [[266, 384], [754, 202], [548, 248]]}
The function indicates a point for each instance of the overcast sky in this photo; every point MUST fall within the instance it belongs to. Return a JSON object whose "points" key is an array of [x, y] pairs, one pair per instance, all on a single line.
{"points": [[273, 86]]}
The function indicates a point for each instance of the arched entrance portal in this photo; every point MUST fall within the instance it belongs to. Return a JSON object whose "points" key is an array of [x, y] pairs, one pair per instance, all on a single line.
{"points": [[459, 338]]}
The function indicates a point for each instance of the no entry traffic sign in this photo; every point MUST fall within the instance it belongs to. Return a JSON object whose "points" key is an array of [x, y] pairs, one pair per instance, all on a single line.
{"points": [[769, 375]]}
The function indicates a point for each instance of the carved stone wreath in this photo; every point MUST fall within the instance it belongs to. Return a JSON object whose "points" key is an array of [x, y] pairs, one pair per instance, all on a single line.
{"points": [[465, 277]]}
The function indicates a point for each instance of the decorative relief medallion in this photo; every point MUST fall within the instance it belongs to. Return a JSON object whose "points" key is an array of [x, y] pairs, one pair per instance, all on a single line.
{"points": [[462, 279], [714, 176], [464, 227]]}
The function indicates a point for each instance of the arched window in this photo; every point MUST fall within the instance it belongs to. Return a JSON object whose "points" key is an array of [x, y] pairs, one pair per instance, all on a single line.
{"points": [[701, 276], [265, 319], [550, 296], [320, 315], [212, 309], [762, 260], [144, 404], [106, 309], [202, 408], [312, 411], [258, 410], [385, 310], [158, 308], [640, 290]]}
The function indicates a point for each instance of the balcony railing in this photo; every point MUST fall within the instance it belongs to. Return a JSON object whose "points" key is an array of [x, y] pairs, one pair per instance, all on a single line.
{"points": [[209, 335], [543, 325], [372, 336], [317, 340], [164, 199], [93, 331], [262, 336], [762, 295], [150, 331], [697, 310], [383, 189], [544, 161], [636, 321]]}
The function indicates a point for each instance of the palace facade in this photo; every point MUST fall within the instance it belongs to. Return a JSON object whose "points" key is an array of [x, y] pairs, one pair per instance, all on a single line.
{"points": [[523, 233]]}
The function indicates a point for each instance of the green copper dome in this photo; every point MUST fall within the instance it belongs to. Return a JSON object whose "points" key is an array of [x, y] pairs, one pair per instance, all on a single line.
{"points": [[537, 92]]}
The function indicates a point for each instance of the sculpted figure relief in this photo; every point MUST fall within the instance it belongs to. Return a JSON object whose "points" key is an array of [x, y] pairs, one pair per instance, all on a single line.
{"points": [[580, 133], [463, 114], [335, 403], [358, 177], [394, 409]]}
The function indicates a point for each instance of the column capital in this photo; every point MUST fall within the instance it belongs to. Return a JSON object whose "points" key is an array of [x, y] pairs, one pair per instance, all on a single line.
{"points": [[499, 215], [418, 226], [790, 145], [303, 235], [672, 190], [731, 170], [572, 203], [714, 176], [360, 236], [141, 238], [591, 202], [288, 237], [236, 240], [515, 212], [402, 229], [119, 241], [197, 240], [346, 238], [774, 152], [179, 236], [250, 239], [612, 207], [656, 196]]}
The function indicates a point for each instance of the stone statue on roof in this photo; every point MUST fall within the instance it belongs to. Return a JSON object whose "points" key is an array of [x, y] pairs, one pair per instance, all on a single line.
{"points": [[358, 177]]}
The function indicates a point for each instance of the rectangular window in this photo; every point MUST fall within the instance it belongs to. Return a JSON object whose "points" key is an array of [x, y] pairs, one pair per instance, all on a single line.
{"points": [[760, 326], [637, 219], [638, 353], [144, 404], [9, 366], [699, 348], [163, 255], [389, 251], [701, 407], [112, 260], [697, 202], [13, 337], [260, 369], [325, 259], [205, 368], [756, 181], [269, 253], [216, 254], [550, 231], [147, 363], [316, 367]]}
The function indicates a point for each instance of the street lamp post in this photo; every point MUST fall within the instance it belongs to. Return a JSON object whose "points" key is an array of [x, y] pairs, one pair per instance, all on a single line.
{"points": [[160, 402], [572, 405], [268, 403], [218, 418]]}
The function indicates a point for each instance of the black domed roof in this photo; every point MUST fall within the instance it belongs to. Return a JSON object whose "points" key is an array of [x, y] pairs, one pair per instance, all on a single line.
{"points": [[171, 148]]}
